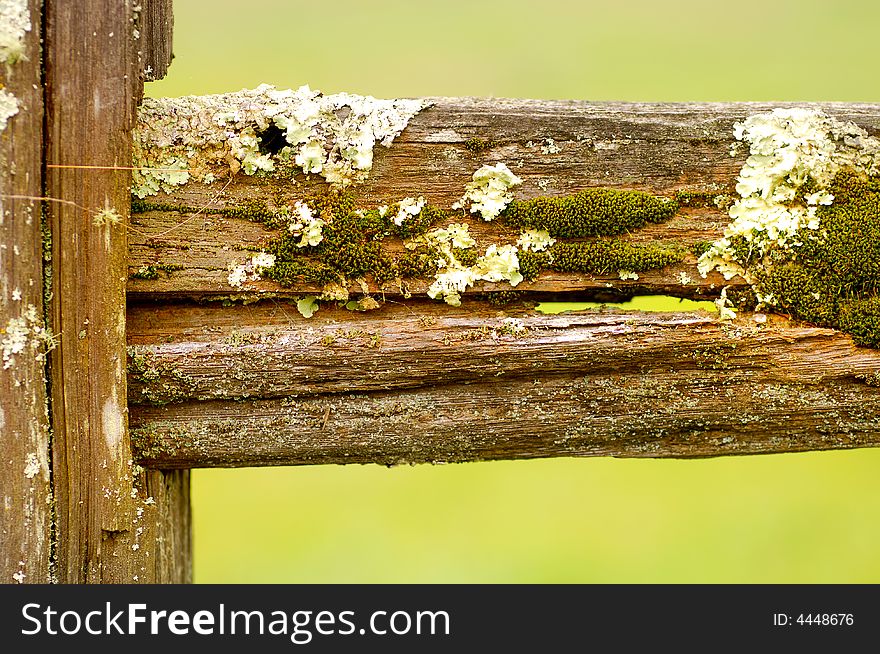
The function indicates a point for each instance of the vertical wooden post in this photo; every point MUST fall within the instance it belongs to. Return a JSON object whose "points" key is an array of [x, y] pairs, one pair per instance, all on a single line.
{"points": [[24, 425], [114, 524]]}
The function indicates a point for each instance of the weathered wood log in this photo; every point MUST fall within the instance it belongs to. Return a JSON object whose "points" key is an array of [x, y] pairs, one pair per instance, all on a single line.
{"points": [[557, 148], [24, 423], [419, 382], [109, 527]]}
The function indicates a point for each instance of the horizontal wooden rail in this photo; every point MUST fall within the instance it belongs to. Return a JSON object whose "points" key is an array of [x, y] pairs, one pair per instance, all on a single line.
{"points": [[259, 385], [556, 147], [237, 383]]}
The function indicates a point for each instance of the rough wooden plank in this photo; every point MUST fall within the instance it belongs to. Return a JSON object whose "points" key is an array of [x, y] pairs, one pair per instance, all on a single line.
{"points": [[658, 148], [257, 385], [92, 85], [155, 24], [24, 423]]}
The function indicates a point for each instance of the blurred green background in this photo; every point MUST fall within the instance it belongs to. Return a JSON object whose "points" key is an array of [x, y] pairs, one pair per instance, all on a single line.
{"points": [[785, 518]]}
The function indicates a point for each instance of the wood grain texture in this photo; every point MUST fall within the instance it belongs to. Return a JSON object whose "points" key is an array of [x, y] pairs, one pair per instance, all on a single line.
{"points": [[92, 86], [257, 385], [24, 422], [155, 25], [655, 147]]}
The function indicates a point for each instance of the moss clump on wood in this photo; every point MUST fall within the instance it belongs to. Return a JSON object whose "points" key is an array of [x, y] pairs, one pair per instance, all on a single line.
{"points": [[477, 145], [599, 257], [591, 212], [834, 278], [351, 238], [151, 271], [350, 246]]}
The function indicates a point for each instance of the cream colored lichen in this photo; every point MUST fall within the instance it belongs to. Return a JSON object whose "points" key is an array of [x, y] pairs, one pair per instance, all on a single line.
{"points": [[250, 270], [407, 209], [25, 333], [8, 107], [304, 224], [307, 306], [535, 240], [15, 23], [726, 309], [550, 147], [193, 137], [787, 148], [106, 217], [32, 466], [497, 264], [489, 191]]}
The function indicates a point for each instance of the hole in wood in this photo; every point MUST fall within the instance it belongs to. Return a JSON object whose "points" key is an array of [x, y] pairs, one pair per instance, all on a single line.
{"points": [[272, 140]]}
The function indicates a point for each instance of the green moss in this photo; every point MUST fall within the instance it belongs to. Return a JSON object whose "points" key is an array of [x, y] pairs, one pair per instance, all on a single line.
{"points": [[352, 238], [418, 225], [151, 271], [351, 246], [532, 263], [160, 383], [477, 145], [700, 248], [704, 199], [861, 318], [417, 264], [834, 278], [606, 256], [504, 298], [599, 257], [591, 212]]}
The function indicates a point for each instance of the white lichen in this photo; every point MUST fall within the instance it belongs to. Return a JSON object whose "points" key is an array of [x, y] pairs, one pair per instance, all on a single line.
{"points": [[32, 466], [498, 264], [489, 192], [684, 279], [194, 137], [407, 208], [788, 148], [250, 270], [625, 275], [15, 23], [550, 147], [24, 333], [535, 240], [8, 107], [726, 309], [304, 224], [106, 217]]}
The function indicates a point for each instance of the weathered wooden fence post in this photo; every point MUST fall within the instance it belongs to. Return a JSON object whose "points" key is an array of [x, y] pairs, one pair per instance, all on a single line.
{"points": [[24, 424], [113, 521]]}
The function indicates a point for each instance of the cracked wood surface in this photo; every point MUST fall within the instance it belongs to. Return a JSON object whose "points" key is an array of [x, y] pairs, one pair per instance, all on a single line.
{"points": [[420, 382]]}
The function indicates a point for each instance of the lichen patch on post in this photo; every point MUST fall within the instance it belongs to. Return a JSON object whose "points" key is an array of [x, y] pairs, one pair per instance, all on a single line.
{"points": [[15, 23], [8, 107], [261, 130], [24, 333]]}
